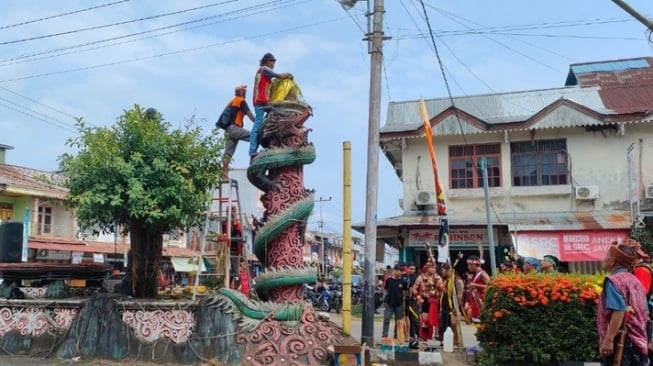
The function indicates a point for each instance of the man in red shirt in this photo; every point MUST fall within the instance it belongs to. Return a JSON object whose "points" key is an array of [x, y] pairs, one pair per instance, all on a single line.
{"points": [[262, 85]]}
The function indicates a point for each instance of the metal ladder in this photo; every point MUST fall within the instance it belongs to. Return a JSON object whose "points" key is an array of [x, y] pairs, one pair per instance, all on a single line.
{"points": [[224, 196], [217, 223]]}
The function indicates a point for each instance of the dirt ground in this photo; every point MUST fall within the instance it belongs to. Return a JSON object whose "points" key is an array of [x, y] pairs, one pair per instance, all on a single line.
{"points": [[454, 359]]}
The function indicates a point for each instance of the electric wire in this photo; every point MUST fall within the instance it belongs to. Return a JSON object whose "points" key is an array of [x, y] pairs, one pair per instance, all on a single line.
{"points": [[61, 15], [113, 24], [37, 102], [260, 9], [144, 58], [454, 18], [35, 115], [451, 100]]}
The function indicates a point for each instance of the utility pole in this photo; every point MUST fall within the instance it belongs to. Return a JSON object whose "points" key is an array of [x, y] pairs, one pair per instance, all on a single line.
{"points": [[375, 42], [323, 256], [630, 10], [374, 38]]}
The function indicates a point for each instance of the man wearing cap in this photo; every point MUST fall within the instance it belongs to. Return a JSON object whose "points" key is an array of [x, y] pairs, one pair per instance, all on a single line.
{"points": [[261, 97], [549, 264], [235, 111]]}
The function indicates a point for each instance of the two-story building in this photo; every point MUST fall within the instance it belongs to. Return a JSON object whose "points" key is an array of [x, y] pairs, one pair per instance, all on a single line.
{"points": [[50, 232], [568, 169]]}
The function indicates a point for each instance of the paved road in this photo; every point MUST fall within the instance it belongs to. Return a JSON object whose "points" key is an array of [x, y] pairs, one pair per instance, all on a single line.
{"points": [[469, 337]]}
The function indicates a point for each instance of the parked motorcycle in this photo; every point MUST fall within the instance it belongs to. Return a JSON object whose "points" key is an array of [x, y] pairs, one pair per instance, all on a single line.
{"points": [[356, 295], [330, 297], [311, 295]]}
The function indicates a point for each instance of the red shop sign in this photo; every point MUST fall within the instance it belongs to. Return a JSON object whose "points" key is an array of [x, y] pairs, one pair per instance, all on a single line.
{"points": [[572, 246]]}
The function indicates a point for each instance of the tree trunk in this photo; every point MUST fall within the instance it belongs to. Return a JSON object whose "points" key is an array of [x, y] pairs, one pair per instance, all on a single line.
{"points": [[145, 259]]}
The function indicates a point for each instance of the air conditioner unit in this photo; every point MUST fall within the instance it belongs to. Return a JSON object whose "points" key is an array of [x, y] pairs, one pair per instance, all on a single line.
{"points": [[587, 193], [648, 191], [424, 198]]}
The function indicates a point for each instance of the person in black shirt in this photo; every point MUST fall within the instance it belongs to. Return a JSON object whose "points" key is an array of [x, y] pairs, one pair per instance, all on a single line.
{"points": [[412, 308], [395, 288]]}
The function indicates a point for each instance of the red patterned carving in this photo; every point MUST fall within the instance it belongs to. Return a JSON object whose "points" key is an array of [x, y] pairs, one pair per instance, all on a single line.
{"points": [[276, 343]]}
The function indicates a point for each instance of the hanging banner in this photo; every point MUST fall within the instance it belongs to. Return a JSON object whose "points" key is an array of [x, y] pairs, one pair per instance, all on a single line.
{"points": [[419, 237], [569, 246]]}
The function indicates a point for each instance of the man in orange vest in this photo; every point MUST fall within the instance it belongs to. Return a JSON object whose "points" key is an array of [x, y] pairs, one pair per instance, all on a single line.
{"points": [[231, 121]]}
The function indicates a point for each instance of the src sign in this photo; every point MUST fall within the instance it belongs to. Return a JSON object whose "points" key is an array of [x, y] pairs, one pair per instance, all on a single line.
{"points": [[569, 246]]}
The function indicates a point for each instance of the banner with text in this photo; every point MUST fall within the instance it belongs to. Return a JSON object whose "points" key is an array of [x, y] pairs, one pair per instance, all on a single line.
{"points": [[569, 246], [419, 237]]}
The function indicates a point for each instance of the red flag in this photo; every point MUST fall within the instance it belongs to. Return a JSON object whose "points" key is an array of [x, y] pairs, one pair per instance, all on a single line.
{"points": [[439, 192]]}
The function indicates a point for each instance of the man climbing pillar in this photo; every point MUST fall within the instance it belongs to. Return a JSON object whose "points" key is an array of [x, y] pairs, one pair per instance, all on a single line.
{"points": [[231, 120], [261, 97]]}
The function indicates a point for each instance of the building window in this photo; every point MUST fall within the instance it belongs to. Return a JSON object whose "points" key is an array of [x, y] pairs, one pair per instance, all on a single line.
{"points": [[539, 163], [465, 165], [6, 211], [44, 220]]}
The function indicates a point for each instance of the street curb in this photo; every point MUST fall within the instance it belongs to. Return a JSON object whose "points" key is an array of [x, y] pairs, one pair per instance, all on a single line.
{"points": [[397, 358]]}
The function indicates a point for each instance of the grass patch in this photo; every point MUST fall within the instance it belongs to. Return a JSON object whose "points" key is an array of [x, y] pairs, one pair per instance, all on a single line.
{"points": [[357, 310]]}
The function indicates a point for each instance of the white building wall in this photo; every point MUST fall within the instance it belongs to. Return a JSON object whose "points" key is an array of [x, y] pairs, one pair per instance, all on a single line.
{"points": [[595, 159]]}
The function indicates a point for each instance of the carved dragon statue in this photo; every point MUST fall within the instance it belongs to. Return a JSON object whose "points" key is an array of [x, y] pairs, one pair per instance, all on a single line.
{"points": [[282, 328]]}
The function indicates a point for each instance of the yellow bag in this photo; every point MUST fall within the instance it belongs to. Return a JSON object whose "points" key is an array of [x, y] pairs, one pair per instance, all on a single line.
{"points": [[285, 89]]}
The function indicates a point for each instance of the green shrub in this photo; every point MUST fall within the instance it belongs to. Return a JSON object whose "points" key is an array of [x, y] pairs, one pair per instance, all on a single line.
{"points": [[538, 319]]}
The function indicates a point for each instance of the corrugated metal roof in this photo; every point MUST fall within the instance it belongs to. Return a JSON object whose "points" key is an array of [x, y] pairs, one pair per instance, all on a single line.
{"points": [[612, 72], [616, 65], [73, 245], [521, 221], [491, 109], [32, 179]]}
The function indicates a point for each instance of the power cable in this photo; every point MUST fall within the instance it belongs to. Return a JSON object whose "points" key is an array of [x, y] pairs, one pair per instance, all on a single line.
{"points": [[451, 100], [114, 24], [61, 15], [166, 53], [58, 123], [260, 8], [454, 17], [37, 102]]}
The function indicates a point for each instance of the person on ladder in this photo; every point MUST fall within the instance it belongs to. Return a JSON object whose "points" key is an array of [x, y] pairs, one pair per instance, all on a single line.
{"points": [[231, 120]]}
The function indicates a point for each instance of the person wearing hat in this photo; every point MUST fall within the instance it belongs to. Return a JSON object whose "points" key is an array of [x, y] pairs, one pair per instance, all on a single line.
{"points": [[622, 304], [644, 273], [531, 265], [427, 291], [261, 97], [232, 122], [549, 264], [476, 287]]}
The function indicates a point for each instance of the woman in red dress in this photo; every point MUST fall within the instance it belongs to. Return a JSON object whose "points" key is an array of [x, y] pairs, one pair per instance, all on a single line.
{"points": [[476, 287]]}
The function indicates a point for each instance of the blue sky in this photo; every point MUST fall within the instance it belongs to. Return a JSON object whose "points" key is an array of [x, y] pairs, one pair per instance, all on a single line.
{"points": [[190, 70]]}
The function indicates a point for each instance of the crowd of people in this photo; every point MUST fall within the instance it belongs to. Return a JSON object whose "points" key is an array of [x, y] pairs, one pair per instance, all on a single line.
{"points": [[425, 304]]}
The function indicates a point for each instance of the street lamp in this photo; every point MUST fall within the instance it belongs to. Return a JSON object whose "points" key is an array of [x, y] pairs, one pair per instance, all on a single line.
{"points": [[374, 38]]}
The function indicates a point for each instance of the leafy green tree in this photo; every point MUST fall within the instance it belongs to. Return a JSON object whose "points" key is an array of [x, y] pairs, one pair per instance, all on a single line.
{"points": [[145, 177]]}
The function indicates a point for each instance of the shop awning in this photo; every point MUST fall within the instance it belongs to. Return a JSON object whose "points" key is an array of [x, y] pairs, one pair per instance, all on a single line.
{"points": [[568, 245], [183, 264]]}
